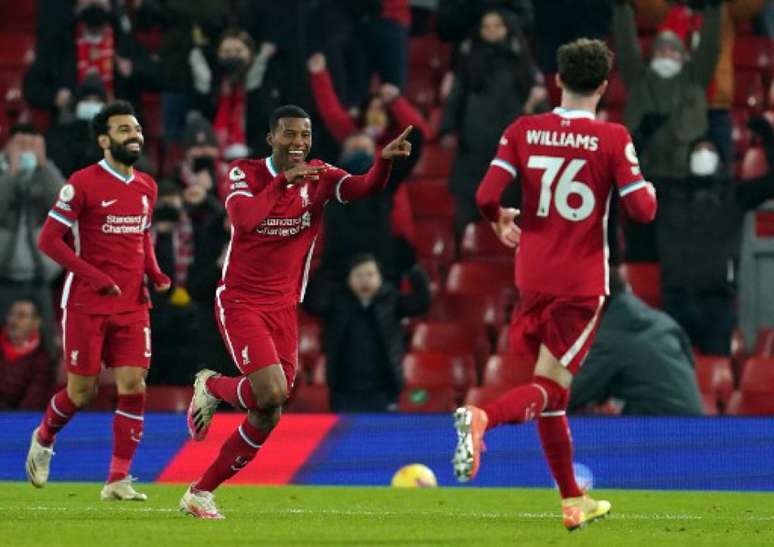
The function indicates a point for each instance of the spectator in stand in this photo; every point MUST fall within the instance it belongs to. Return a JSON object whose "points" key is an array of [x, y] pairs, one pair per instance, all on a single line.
{"points": [[201, 164], [69, 140], [640, 358], [666, 109], [379, 45], [363, 337], [495, 81], [699, 226], [457, 18], [82, 38], [29, 184], [203, 278], [26, 368], [231, 93], [382, 117]]}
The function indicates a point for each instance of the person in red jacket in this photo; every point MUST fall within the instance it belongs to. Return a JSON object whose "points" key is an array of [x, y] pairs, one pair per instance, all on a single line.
{"points": [[26, 368]]}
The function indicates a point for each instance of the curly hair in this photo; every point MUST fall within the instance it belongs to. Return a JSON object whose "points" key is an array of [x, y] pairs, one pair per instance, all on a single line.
{"points": [[584, 64]]}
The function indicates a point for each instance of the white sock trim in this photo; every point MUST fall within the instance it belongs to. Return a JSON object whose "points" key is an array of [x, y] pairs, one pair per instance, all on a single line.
{"points": [[247, 439], [553, 413], [55, 409], [130, 416]]}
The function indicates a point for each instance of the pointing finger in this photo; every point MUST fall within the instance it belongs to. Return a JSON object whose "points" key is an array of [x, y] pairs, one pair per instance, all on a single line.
{"points": [[405, 134]]}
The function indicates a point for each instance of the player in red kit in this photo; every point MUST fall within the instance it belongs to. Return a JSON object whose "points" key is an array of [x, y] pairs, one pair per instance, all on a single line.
{"points": [[568, 164], [276, 207], [98, 230]]}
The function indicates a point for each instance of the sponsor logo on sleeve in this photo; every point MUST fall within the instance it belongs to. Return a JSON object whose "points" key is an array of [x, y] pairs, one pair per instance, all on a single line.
{"points": [[63, 206], [239, 186]]}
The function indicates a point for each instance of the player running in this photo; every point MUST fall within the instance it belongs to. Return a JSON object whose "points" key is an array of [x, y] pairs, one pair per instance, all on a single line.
{"points": [[275, 206], [99, 231], [567, 163]]}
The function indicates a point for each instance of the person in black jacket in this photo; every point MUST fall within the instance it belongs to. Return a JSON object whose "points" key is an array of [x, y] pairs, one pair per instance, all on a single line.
{"points": [[699, 231], [363, 338], [641, 358]]}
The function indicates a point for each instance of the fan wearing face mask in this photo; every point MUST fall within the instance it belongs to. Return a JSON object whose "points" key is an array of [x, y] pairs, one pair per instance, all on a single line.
{"points": [[666, 107], [699, 229]]}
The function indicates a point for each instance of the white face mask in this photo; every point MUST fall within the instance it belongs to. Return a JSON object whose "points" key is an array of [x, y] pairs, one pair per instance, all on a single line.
{"points": [[86, 110], [704, 162], [666, 67], [28, 161]]}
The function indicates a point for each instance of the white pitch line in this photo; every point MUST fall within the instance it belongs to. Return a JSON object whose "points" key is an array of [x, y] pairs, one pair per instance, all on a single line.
{"points": [[292, 511]]}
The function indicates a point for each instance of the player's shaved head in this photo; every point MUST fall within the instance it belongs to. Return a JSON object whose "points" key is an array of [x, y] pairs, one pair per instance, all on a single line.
{"points": [[584, 65], [286, 111]]}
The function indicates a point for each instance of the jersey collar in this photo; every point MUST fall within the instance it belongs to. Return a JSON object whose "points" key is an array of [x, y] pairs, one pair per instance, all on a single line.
{"points": [[106, 166], [270, 166], [572, 114]]}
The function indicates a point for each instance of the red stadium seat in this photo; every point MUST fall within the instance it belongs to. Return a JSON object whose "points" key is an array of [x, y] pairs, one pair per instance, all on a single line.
{"points": [[464, 308], [616, 92], [309, 399], [434, 161], [481, 278], [554, 93], [480, 243], [740, 134], [168, 398], [645, 279], [429, 52], [503, 340], [454, 338], [710, 404], [613, 114], [434, 240], [17, 50], [764, 344], [430, 198], [753, 52], [308, 342], [317, 376], [433, 369], [419, 399], [750, 404], [479, 396], [713, 374], [508, 370], [753, 164], [758, 376], [18, 16], [422, 90], [748, 89]]}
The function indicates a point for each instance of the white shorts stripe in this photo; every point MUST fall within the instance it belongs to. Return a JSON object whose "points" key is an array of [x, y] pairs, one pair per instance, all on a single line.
{"points": [[56, 216], [633, 187], [553, 413], [130, 416], [578, 345], [222, 315], [502, 164], [239, 392], [338, 187], [55, 409], [247, 439], [237, 193]]}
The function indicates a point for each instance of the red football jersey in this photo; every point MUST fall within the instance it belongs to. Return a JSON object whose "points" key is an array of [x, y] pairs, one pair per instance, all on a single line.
{"points": [[108, 215], [268, 267], [567, 163]]}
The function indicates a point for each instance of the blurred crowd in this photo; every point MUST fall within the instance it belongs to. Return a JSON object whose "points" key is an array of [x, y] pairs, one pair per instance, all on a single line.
{"points": [[204, 76]]}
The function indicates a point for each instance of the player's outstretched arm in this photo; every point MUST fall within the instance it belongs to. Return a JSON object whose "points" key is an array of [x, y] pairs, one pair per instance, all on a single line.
{"points": [[160, 280], [51, 243], [352, 187]]}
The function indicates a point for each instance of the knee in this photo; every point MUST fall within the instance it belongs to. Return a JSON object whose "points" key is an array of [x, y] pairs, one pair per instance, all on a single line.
{"points": [[557, 397], [271, 395], [133, 385], [265, 420], [82, 395]]}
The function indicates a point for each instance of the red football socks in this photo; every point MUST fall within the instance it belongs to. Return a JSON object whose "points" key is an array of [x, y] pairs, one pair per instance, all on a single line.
{"points": [[524, 403], [127, 432], [238, 450], [59, 411], [236, 391], [557, 446]]}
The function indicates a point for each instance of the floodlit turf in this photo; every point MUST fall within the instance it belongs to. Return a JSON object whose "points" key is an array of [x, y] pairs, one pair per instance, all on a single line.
{"points": [[71, 514]]}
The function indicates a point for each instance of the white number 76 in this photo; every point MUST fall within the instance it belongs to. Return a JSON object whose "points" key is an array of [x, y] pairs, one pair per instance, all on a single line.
{"points": [[564, 188]]}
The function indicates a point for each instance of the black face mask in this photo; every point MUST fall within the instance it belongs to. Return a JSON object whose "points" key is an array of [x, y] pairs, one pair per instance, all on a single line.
{"points": [[95, 17], [166, 213], [203, 163], [232, 66], [122, 154], [357, 162]]}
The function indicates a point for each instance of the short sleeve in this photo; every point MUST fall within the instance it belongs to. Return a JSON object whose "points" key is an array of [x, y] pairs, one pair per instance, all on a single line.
{"points": [[69, 203], [506, 157], [626, 165]]}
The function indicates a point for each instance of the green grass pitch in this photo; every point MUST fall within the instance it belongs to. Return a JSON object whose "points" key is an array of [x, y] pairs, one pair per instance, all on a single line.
{"points": [[71, 514]]}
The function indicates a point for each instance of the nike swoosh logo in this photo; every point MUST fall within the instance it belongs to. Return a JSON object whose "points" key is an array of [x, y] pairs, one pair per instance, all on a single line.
{"points": [[108, 203]]}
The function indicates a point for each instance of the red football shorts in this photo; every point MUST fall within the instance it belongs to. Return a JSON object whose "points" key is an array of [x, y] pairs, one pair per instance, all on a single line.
{"points": [[566, 325], [260, 338], [118, 340]]}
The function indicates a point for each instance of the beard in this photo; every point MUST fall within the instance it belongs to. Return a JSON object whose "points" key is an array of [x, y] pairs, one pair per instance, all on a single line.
{"points": [[122, 154]]}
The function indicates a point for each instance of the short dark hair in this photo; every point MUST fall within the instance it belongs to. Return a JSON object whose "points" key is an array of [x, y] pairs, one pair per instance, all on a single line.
{"points": [[362, 258], [25, 128], [99, 124], [584, 64], [286, 111]]}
